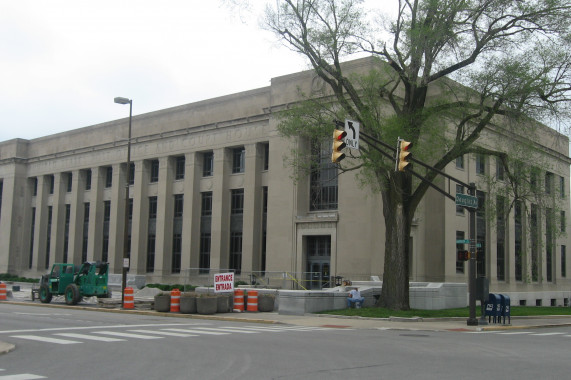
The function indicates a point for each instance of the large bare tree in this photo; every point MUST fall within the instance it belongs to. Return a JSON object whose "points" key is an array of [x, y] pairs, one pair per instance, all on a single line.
{"points": [[500, 62]]}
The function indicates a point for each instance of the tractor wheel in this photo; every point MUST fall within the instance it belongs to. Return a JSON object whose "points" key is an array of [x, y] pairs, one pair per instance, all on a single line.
{"points": [[72, 295], [45, 294]]}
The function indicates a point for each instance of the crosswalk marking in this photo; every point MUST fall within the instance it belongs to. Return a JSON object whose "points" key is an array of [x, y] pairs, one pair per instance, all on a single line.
{"points": [[167, 333], [127, 335], [198, 331], [90, 337], [45, 339], [228, 329], [22, 376]]}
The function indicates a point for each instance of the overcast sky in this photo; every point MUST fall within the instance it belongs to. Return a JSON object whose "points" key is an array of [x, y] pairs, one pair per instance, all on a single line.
{"points": [[63, 62]]}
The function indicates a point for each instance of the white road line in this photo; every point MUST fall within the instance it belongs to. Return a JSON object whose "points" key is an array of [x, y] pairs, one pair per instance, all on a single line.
{"points": [[90, 337], [22, 376], [198, 331], [163, 333], [549, 334], [515, 333], [228, 329], [45, 339], [127, 335], [102, 327]]}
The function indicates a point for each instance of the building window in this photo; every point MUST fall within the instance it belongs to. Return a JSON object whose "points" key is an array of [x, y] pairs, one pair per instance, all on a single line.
{"points": [[35, 186], [207, 164], [549, 244], [501, 238], [266, 156], [562, 187], [460, 162], [460, 235], [534, 238], [48, 237], [108, 176], [480, 164], [87, 176], [518, 240], [85, 232], [563, 222], [179, 168], [66, 232], [459, 190], [51, 183], [205, 232], [131, 179], [106, 222], [264, 227], [238, 160], [499, 169], [154, 177], [323, 178], [32, 232], [563, 261], [177, 233], [151, 234], [69, 177], [236, 229], [549, 183]]}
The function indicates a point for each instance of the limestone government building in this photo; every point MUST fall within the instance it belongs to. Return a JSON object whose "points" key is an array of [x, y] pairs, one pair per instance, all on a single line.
{"points": [[209, 193]]}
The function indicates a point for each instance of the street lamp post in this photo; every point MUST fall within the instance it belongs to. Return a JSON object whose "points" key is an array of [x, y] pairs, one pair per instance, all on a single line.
{"points": [[126, 264]]}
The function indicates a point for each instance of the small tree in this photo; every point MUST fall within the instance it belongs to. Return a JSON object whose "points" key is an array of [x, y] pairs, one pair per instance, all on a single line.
{"points": [[449, 73]]}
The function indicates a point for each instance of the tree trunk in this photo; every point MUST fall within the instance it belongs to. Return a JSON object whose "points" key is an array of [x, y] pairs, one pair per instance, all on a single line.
{"points": [[394, 294]]}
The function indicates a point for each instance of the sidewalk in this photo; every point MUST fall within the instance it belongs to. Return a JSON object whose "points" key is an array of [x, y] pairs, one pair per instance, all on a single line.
{"points": [[320, 320]]}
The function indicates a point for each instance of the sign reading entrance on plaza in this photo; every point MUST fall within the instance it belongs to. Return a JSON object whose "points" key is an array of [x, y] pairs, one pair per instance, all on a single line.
{"points": [[352, 138], [223, 282], [466, 200]]}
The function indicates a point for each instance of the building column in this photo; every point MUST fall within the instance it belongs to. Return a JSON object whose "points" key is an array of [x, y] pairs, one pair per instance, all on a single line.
{"points": [[117, 219], [165, 211], [76, 218], [251, 235], [58, 219], [140, 221], [220, 235], [94, 244], [191, 213]]}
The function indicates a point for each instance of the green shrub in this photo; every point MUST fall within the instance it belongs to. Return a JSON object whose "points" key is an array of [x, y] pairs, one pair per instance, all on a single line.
{"points": [[14, 278]]}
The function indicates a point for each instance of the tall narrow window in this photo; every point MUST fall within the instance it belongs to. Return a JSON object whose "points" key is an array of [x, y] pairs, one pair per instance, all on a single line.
{"points": [[154, 177], [236, 229], [499, 169], [323, 178], [151, 234], [108, 176], [549, 183], [32, 231], [106, 222], [238, 160], [264, 226], [534, 231], [179, 168], [177, 233], [480, 164], [66, 232], [87, 176], [51, 183], [35, 186], [501, 238], [562, 187], [549, 244], [205, 232], [69, 182], [563, 222], [266, 156], [85, 232], [131, 179], [460, 162], [518, 240], [48, 237], [563, 261], [207, 164]]}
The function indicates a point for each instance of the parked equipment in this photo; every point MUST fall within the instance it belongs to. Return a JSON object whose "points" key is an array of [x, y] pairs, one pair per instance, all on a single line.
{"points": [[75, 282]]}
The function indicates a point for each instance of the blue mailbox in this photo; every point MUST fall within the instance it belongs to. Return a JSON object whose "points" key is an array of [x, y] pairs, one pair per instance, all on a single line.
{"points": [[493, 307], [505, 308]]}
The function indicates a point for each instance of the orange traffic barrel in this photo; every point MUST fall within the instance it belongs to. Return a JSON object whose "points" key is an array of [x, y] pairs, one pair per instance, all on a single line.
{"points": [[252, 301], [3, 292], [175, 300], [239, 300], [128, 299]]}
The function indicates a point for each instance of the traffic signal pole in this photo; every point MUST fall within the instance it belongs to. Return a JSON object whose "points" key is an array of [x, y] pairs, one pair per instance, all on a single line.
{"points": [[472, 321]]}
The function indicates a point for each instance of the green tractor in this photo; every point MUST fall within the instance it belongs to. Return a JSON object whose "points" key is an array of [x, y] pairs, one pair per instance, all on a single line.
{"points": [[75, 282]]}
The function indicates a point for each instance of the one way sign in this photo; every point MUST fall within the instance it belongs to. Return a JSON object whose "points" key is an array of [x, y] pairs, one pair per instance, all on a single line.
{"points": [[352, 138]]}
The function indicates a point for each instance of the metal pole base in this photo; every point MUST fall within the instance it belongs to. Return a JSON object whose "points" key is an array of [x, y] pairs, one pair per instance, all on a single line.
{"points": [[472, 322]]}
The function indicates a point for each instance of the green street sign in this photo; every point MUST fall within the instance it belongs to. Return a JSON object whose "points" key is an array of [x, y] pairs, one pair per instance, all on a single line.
{"points": [[466, 200], [467, 241]]}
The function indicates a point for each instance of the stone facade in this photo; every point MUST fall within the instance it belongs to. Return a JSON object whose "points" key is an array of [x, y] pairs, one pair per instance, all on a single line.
{"points": [[211, 193]]}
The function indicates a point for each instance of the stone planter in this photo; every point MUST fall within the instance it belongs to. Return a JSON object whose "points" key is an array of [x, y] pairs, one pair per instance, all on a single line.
{"points": [[163, 302], [206, 304], [222, 303], [188, 303], [266, 302]]}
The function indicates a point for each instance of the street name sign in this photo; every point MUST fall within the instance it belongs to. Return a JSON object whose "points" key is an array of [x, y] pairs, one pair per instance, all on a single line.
{"points": [[466, 200]]}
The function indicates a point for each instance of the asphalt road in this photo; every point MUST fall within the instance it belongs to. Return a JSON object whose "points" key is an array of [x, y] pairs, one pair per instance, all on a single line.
{"points": [[71, 344]]}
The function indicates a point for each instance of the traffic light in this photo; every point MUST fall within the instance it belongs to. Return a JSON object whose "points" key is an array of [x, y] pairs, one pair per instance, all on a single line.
{"points": [[404, 155], [463, 255], [338, 145]]}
